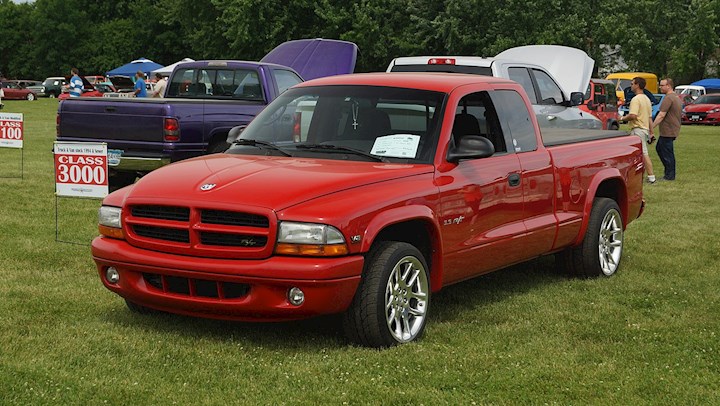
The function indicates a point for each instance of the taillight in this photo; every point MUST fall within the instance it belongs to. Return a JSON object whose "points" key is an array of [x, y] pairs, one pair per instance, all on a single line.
{"points": [[297, 121], [171, 130], [57, 125], [441, 61]]}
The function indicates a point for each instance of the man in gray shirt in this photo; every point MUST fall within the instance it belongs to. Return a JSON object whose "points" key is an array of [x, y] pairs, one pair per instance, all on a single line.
{"points": [[668, 121]]}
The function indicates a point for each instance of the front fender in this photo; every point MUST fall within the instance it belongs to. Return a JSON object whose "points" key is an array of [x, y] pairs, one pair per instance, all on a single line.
{"points": [[404, 214]]}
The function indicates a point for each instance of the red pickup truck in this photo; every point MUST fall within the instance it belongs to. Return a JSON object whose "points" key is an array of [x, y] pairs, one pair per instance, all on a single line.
{"points": [[386, 188]]}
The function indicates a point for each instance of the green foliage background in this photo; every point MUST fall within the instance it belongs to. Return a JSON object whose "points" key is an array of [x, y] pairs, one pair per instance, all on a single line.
{"points": [[680, 38]]}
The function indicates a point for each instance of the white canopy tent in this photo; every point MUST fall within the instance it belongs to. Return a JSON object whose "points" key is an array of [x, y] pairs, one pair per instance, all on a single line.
{"points": [[167, 70]]}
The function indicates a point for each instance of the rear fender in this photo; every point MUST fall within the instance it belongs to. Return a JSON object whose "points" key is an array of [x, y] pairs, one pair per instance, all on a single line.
{"points": [[396, 217], [606, 183]]}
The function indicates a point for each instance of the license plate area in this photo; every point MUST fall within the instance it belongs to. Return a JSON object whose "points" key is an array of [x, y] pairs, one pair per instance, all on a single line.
{"points": [[114, 156]]}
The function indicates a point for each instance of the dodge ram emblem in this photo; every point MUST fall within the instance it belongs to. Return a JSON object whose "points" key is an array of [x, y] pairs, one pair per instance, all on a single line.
{"points": [[207, 186]]}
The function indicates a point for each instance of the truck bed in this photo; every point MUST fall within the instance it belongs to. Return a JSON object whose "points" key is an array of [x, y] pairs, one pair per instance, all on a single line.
{"points": [[562, 136]]}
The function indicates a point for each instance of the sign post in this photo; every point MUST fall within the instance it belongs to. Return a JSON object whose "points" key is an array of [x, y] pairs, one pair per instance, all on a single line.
{"points": [[12, 133], [81, 170]]}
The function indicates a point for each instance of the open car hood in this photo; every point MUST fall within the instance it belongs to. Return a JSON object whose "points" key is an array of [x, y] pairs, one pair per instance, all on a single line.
{"points": [[571, 67], [315, 58]]}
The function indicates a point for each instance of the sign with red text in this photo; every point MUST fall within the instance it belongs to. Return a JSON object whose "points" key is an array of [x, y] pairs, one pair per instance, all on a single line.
{"points": [[11, 130], [81, 169]]}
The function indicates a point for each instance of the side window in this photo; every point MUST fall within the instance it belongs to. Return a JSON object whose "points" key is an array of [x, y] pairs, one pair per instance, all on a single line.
{"points": [[476, 115], [286, 79], [515, 120], [550, 92], [522, 76]]}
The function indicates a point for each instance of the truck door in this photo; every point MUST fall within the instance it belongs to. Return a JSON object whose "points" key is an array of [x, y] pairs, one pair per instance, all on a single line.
{"points": [[481, 202], [536, 173]]}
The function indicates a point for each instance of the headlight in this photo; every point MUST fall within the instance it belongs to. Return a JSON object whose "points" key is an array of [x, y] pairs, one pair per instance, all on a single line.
{"points": [[714, 111], [310, 239], [109, 221]]}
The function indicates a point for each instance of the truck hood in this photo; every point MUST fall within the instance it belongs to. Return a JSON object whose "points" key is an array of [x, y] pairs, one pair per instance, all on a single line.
{"points": [[315, 58], [571, 67], [269, 182]]}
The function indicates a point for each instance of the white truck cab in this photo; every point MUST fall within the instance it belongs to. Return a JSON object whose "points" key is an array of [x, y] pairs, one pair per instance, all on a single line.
{"points": [[535, 68]]}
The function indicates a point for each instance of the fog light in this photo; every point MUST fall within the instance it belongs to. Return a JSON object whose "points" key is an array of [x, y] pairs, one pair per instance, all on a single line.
{"points": [[296, 297], [112, 275]]}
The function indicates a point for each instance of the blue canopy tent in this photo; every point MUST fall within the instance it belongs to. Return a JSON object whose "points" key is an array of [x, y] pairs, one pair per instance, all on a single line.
{"points": [[711, 85], [130, 69]]}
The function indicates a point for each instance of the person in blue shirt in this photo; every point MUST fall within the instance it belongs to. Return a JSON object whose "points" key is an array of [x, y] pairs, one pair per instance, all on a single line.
{"points": [[76, 85], [140, 90]]}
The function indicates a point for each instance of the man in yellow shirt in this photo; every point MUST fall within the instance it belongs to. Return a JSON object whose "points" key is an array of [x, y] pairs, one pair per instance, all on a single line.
{"points": [[640, 121]]}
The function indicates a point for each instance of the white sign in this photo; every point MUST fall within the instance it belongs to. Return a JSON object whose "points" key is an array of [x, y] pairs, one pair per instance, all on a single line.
{"points": [[11, 130], [81, 169], [396, 146]]}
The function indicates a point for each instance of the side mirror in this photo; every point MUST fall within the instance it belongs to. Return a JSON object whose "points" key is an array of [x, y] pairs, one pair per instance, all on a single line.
{"points": [[471, 147], [576, 98], [234, 133]]}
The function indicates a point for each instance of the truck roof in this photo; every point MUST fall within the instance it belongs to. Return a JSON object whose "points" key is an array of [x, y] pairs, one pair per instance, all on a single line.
{"points": [[441, 82]]}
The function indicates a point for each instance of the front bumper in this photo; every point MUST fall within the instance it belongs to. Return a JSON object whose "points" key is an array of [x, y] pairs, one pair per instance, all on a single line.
{"points": [[245, 290]]}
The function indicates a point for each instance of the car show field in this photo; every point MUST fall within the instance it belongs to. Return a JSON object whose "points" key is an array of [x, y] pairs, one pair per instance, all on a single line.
{"points": [[527, 334]]}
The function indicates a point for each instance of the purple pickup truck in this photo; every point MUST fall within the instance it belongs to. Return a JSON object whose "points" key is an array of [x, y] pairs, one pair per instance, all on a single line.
{"points": [[203, 101]]}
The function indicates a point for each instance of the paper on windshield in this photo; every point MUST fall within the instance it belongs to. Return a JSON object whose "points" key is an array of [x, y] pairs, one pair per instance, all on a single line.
{"points": [[396, 146]]}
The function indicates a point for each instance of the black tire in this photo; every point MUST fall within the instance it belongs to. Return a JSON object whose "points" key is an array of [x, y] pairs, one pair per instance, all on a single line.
{"points": [[217, 146], [386, 310], [52, 95], [136, 308], [614, 126], [120, 179], [601, 250]]}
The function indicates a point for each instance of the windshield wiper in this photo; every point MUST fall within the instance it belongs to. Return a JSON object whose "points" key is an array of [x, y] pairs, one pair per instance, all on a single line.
{"points": [[261, 144], [335, 148]]}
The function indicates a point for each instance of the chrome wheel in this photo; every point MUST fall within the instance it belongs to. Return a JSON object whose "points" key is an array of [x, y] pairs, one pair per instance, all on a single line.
{"points": [[30, 96], [406, 297], [610, 242]]}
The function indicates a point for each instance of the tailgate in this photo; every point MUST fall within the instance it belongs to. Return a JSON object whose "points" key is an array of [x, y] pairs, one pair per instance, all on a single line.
{"points": [[109, 119]]}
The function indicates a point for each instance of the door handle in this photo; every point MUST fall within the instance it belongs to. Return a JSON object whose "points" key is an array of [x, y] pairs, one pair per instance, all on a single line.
{"points": [[514, 179], [109, 109], [551, 118]]}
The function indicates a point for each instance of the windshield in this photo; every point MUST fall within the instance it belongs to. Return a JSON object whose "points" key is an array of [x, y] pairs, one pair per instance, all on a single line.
{"points": [[708, 99], [363, 123]]}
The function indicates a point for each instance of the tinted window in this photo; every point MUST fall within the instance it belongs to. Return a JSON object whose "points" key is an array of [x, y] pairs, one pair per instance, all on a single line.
{"points": [[550, 92], [216, 83], [515, 119], [286, 79], [522, 76], [476, 115]]}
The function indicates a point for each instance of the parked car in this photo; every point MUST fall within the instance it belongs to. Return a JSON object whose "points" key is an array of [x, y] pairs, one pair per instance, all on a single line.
{"points": [[655, 100], [404, 184], [90, 90], [555, 89], [94, 79], [601, 101], [622, 80], [50, 87], [203, 101], [13, 91], [705, 110], [24, 83]]}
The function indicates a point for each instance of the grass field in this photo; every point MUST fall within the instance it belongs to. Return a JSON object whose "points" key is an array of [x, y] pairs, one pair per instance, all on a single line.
{"points": [[526, 335]]}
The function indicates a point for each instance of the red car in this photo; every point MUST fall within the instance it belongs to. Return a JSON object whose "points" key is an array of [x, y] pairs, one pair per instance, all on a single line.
{"points": [[704, 110], [13, 91], [90, 90]]}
